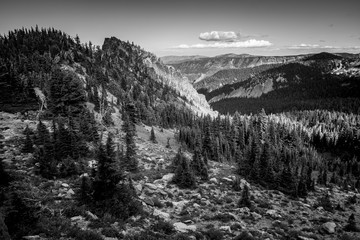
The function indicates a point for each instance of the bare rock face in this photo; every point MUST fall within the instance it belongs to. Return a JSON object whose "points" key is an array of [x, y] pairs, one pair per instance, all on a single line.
{"points": [[173, 78]]}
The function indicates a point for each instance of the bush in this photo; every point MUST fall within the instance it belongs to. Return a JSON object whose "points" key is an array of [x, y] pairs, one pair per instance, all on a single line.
{"points": [[163, 227], [147, 235], [213, 234], [79, 234], [111, 232], [181, 236], [244, 236], [223, 217], [325, 202], [245, 198]]}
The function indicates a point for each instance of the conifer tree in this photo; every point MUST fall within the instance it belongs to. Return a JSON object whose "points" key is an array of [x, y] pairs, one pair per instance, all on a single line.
{"points": [[245, 198], [184, 176], [168, 143], [28, 144], [152, 135]]}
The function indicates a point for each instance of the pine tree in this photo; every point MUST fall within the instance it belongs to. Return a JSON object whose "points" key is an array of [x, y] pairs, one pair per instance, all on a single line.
{"points": [[245, 198], [85, 192], [28, 144], [184, 176], [4, 176], [130, 154], [152, 135], [168, 143]]}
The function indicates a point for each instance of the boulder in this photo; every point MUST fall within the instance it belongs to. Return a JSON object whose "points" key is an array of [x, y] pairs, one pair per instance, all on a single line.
{"points": [[213, 180], [161, 214], [329, 227], [168, 177], [151, 186], [182, 227]]}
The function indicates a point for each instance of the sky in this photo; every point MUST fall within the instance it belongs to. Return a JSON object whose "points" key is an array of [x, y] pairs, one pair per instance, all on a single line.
{"points": [[199, 27]]}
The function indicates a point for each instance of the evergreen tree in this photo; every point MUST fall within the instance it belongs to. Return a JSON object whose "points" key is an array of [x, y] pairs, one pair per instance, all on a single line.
{"points": [[28, 144], [85, 192], [130, 154], [245, 198], [168, 143], [152, 135], [184, 176]]}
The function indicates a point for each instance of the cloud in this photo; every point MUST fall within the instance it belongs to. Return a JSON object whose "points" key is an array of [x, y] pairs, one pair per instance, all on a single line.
{"points": [[317, 46], [322, 40], [219, 36], [223, 36], [252, 43]]}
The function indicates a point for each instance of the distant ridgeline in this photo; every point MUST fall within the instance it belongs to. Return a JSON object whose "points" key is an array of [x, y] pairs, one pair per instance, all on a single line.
{"points": [[249, 83], [322, 81], [47, 67]]}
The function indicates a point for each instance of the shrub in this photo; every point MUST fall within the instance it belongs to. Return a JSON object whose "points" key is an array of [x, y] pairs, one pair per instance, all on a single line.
{"points": [[245, 198], [213, 234], [325, 202], [79, 234], [163, 227], [244, 236], [181, 236], [111, 232]]}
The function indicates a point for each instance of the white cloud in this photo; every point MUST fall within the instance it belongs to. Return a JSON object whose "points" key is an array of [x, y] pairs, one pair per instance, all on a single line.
{"points": [[219, 36], [252, 43], [317, 46]]}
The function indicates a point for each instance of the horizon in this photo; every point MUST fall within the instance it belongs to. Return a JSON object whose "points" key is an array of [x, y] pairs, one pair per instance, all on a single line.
{"points": [[276, 28]]}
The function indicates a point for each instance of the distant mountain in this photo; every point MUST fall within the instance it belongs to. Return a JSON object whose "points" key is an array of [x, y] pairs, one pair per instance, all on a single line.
{"points": [[201, 70], [322, 80], [242, 82], [179, 59]]}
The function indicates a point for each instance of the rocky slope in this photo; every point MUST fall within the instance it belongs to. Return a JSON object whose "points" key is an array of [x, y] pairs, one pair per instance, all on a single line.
{"points": [[209, 211]]}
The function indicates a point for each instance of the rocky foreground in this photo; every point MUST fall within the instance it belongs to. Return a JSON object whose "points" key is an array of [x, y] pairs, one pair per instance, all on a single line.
{"points": [[209, 211]]}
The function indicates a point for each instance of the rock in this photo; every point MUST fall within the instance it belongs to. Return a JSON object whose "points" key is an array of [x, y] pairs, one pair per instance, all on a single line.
{"points": [[195, 205], [65, 185], [80, 222], [91, 215], [34, 237], [213, 180], [243, 182], [304, 238], [244, 210], [69, 194], [255, 215], [273, 213], [149, 201], [161, 214], [168, 177], [226, 228], [329, 227], [182, 227], [151, 186], [228, 180], [138, 188]]}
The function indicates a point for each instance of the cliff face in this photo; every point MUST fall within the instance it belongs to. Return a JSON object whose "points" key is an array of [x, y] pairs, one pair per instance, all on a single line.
{"points": [[157, 71], [173, 78]]}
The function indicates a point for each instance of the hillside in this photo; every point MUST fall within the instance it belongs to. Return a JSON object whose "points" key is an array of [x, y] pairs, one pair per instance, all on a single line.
{"points": [[319, 81], [201, 70]]}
